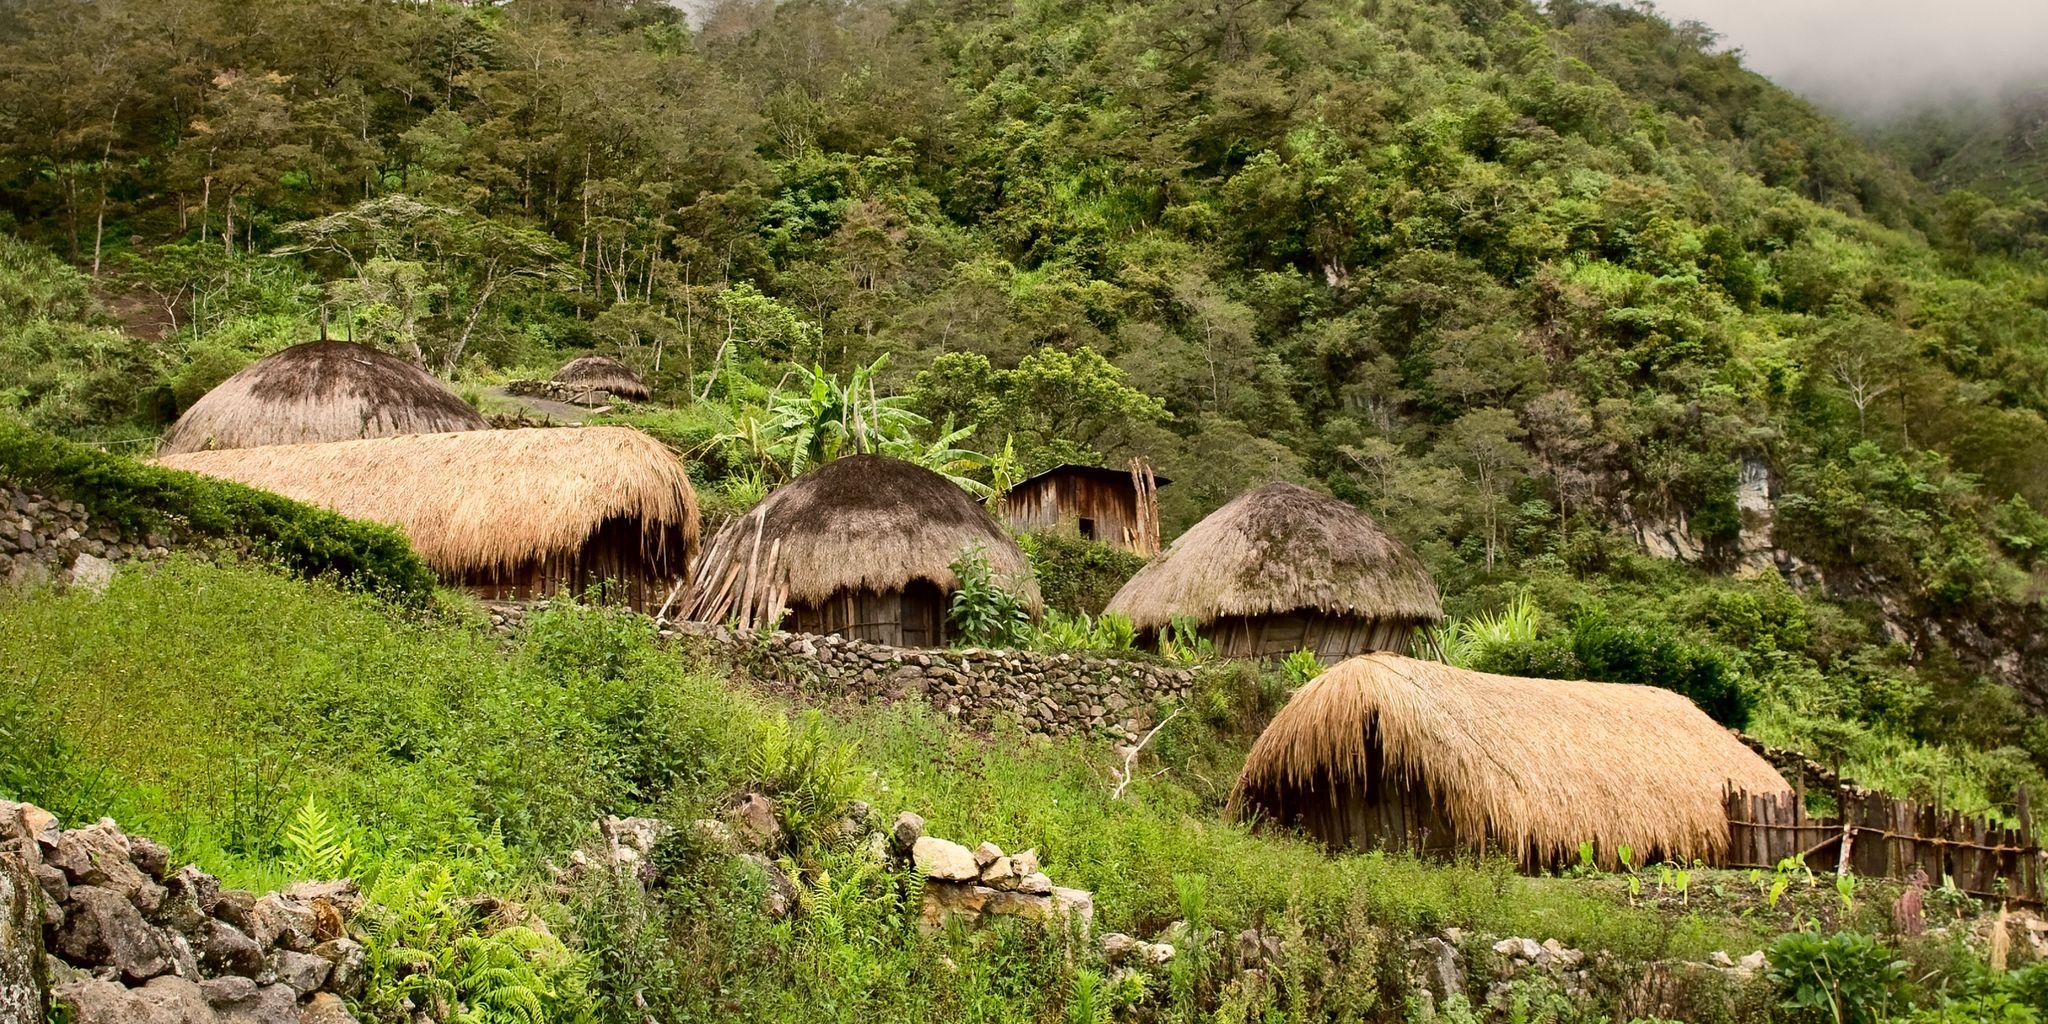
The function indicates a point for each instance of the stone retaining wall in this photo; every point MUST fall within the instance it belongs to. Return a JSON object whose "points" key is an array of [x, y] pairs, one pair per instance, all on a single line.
{"points": [[1052, 694], [1045, 693], [98, 922], [46, 540]]}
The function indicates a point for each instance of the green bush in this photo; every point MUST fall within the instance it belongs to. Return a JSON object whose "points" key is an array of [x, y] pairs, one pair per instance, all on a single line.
{"points": [[985, 613], [140, 499], [1077, 576], [1597, 647], [1844, 978]]}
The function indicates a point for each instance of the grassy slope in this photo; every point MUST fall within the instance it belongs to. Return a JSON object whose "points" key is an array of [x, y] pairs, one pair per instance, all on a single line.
{"points": [[201, 703]]}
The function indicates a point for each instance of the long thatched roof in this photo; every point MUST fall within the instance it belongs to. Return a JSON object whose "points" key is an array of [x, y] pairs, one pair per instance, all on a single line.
{"points": [[483, 500], [320, 391], [1539, 765], [1279, 549], [603, 373], [862, 522]]}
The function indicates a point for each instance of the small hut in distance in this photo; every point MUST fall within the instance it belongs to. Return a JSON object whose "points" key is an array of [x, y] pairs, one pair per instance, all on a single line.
{"points": [[320, 391], [1110, 506], [506, 514], [592, 378], [1387, 752], [1283, 569], [860, 547]]}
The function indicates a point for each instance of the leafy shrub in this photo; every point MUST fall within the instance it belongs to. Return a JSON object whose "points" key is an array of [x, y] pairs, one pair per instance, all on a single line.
{"points": [[1062, 632], [1598, 648], [1077, 576], [142, 499], [1844, 978], [985, 613], [1301, 667], [426, 945]]}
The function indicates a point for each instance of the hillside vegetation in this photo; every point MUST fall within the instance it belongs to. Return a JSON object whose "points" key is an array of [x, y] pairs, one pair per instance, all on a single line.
{"points": [[1526, 283]]}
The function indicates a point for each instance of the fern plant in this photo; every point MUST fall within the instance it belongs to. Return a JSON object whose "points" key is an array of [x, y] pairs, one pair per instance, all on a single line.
{"points": [[316, 845]]}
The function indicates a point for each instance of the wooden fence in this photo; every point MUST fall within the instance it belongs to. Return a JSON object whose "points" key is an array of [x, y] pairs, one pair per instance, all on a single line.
{"points": [[1883, 837]]}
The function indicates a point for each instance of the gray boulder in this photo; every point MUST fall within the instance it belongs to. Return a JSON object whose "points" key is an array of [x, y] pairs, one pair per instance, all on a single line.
{"points": [[102, 929], [272, 1004], [21, 941], [224, 949]]}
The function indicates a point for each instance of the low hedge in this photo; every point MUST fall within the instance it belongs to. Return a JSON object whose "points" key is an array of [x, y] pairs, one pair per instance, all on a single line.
{"points": [[138, 498]]}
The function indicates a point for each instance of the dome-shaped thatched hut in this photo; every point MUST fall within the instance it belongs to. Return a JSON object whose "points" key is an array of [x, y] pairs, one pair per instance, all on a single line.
{"points": [[320, 391], [593, 377], [511, 514], [861, 547], [1384, 751], [1284, 569]]}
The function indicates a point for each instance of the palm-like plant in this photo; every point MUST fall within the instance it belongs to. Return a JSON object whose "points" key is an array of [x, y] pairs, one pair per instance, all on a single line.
{"points": [[819, 417]]}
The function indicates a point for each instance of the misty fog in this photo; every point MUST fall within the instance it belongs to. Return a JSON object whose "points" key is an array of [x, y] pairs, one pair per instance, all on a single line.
{"points": [[1869, 58]]}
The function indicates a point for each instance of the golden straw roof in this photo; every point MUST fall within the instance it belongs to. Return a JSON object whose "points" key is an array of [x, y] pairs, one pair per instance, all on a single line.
{"points": [[320, 391], [485, 499], [1541, 764], [603, 373], [862, 522], [1278, 549]]}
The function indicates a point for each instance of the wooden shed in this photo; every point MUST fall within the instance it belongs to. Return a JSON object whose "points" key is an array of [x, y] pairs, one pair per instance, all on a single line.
{"points": [[1387, 752], [320, 391], [861, 547], [506, 514], [1284, 569], [1118, 507]]}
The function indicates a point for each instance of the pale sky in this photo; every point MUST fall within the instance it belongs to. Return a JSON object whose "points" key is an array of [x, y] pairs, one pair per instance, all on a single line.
{"points": [[1873, 56]]}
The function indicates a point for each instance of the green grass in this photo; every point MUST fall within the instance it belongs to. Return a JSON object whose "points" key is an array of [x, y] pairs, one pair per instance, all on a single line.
{"points": [[205, 705]]}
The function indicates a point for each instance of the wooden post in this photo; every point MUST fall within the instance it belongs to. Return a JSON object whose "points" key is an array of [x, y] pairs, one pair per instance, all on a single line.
{"points": [[2027, 882], [1847, 810]]}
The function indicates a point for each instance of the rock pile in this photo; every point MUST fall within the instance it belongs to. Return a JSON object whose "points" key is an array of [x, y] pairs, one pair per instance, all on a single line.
{"points": [[119, 937], [968, 885], [49, 540], [1043, 692]]}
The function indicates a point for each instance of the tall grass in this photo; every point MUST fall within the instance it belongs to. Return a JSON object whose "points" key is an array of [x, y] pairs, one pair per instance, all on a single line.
{"points": [[211, 707]]}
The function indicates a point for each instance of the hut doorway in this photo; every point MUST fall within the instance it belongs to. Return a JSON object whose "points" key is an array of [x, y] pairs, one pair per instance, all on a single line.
{"points": [[1087, 528]]}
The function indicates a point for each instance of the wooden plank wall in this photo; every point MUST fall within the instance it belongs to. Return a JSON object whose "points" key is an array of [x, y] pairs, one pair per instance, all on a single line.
{"points": [[1884, 837]]}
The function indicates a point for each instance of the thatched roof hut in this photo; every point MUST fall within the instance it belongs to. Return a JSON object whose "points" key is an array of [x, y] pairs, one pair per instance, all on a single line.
{"points": [[861, 546], [507, 513], [320, 391], [1283, 569], [1387, 751], [596, 375]]}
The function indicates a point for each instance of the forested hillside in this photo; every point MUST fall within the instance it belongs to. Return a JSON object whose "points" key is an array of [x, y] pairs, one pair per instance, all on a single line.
{"points": [[1522, 283]]}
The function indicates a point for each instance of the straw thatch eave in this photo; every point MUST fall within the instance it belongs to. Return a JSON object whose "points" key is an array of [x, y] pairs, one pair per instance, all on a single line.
{"points": [[482, 501], [603, 373], [320, 391], [863, 522], [1539, 765], [1278, 549]]}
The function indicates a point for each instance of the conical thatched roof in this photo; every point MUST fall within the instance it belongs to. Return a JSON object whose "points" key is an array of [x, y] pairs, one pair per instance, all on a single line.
{"points": [[320, 391], [603, 373], [863, 522], [1278, 549], [1542, 765], [482, 500]]}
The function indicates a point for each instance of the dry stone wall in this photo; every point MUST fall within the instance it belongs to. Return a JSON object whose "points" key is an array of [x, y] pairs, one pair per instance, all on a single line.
{"points": [[99, 923], [50, 540], [1044, 693]]}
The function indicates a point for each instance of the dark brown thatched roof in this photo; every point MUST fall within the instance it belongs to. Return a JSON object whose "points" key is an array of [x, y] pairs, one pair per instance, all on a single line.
{"points": [[603, 373], [1541, 765], [863, 522], [1278, 549], [1102, 473], [482, 500], [320, 391]]}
